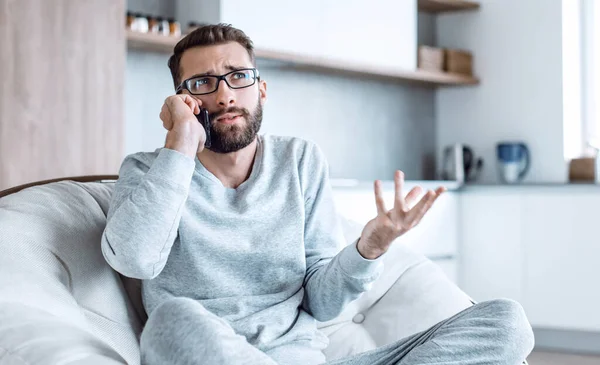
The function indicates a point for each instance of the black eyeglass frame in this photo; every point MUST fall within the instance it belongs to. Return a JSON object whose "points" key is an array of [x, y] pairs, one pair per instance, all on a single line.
{"points": [[185, 83]]}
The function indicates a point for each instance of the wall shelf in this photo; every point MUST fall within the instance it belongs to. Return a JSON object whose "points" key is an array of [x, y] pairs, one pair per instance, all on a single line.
{"points": [[165, 44], [439, 6]]}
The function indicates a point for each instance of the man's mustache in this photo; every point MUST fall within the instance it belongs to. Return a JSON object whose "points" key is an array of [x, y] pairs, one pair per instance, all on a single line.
{"points": [[234, 110]]}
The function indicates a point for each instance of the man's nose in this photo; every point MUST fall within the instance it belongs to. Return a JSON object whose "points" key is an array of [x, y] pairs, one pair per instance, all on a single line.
{"points": [[225, 95]]}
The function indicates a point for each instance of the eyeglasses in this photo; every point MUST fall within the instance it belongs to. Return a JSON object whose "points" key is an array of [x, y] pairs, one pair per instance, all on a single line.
{"points": [[206, 84]]}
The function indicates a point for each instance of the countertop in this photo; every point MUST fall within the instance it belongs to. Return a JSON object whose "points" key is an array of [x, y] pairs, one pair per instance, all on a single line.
{"points": [[343, 184], [389, 184]]}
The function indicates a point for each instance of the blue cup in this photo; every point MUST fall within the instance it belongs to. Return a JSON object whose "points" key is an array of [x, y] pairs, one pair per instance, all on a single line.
{"points": [[513, 161]]}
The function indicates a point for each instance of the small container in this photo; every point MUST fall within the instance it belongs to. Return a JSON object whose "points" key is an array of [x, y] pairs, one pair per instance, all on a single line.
{"points": [[459, 62], [163, 26], [130, 21], [174, 28], [153, 25], [431, 58], [141, 23]]}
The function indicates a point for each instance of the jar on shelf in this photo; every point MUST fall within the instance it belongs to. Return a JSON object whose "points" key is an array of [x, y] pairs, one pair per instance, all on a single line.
{"points": [[174, 28], [141, 23], [163, 26], [153, 25], [130, 21]]}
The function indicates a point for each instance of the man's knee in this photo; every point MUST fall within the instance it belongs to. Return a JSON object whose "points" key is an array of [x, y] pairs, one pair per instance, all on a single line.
{"points": [[178, 323], [512, 327]]}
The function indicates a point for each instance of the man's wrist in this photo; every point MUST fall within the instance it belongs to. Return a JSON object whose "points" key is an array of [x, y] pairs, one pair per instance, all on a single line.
{"points": [[366, 251]]}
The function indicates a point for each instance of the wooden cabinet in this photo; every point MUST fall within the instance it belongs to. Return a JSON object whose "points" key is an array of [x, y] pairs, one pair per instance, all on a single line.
{"points": [[378, 33], [539, 247], [61, 100]]}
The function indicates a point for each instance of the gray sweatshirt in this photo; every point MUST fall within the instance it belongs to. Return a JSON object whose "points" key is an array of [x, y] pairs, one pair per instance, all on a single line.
{"points": [[269, 257]]}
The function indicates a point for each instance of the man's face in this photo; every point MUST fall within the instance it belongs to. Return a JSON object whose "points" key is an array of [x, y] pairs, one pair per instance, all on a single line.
{"points": [[236, 114]]}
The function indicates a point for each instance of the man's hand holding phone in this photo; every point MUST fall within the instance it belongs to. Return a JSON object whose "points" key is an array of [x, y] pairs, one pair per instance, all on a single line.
{"points": [[185, 134]]}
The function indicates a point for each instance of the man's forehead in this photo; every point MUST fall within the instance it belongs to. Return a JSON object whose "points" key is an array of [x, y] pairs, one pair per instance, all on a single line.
{"points": [[215, 59]]}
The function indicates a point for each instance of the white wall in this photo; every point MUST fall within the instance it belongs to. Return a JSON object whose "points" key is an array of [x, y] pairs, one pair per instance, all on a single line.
{"points": [[518, 55], [367, 128]]}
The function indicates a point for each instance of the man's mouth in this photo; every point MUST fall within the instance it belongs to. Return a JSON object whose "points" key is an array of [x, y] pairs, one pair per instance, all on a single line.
{"points": [[229, 118]]}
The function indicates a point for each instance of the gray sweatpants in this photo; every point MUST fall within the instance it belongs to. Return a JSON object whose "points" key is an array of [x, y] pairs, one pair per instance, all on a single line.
{"points": [[492, 332]]}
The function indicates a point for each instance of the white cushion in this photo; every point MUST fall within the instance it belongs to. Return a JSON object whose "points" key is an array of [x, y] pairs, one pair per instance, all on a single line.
{"points": [[52, 266], [412, 294]]}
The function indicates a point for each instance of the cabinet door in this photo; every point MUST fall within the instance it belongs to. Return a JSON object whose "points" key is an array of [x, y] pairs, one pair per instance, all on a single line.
{"points": [[435, 236], [378, 33], [562, 251], [490, 245], [287, 26]]}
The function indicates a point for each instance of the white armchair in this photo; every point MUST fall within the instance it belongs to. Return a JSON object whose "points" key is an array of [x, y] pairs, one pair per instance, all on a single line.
{"points": [[60, 303]]}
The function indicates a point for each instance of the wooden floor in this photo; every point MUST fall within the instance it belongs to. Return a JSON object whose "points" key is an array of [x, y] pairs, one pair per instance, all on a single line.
{"points": [[555, 358]]}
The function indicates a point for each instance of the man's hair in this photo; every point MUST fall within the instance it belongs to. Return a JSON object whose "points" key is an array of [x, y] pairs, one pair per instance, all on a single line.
{"points": [[207, 35]]}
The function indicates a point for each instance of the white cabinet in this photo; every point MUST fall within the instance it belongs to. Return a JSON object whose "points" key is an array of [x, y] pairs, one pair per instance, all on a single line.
{"points": [[490, 245], [377, 33], [435, 236], [539, 247], [562, 251]]}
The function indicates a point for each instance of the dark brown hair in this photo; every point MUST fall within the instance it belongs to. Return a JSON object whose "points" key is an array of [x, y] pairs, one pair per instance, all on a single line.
{"points": [[208, 35]]}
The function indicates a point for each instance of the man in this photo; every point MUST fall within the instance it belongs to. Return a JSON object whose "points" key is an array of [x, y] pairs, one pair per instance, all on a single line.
{"points": [[239, 245]]}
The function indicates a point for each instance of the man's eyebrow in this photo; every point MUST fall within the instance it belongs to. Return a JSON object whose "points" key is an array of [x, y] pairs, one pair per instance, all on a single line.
{"points": [[234, 67], [212, 72]]}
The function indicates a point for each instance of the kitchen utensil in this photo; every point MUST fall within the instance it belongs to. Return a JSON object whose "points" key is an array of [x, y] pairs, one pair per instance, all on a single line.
{"points": [[513, 161], [460, 163]]}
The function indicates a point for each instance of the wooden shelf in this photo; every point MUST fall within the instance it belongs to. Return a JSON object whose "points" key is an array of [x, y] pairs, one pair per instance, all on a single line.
{"points": [[151, 42], [165, 44], [439, 6]]}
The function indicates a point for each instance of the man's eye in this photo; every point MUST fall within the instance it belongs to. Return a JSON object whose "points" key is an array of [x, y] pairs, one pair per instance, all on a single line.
{"points": [[239, 75], [201, 82]]}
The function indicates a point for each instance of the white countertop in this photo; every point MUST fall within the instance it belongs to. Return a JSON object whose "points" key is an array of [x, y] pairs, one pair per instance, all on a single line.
{"points": [[389, 184]]}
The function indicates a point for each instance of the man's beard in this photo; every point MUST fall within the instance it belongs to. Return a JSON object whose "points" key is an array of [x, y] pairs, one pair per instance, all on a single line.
{"points": [[226, 138]]}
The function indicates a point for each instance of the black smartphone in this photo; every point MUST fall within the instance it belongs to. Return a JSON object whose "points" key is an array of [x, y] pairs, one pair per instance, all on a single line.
{"points": [[205, 121]]}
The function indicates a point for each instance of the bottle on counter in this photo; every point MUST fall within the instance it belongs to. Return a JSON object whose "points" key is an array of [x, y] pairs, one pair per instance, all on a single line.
{"points": [[174, 28]]}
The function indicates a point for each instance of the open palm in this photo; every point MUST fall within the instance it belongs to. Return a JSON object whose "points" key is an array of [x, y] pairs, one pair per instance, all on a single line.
{"points": [[388, 225]]}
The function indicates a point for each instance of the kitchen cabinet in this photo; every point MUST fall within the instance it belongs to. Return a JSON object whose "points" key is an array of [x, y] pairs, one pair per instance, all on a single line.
{"points": [[320, 28], [562, 248], [490, 245], [537, 247], [436, 236]]}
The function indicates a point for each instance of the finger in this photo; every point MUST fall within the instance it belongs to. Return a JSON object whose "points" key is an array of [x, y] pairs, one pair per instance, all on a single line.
{"points": [[399, 203], [191, 102], [196, 105], [411, 197], [379, 198], [415, 214], [165, 116]]}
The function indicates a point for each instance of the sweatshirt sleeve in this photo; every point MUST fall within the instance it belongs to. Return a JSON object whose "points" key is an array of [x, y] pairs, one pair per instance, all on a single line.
{"points": [[144, 212], [336, 273]]}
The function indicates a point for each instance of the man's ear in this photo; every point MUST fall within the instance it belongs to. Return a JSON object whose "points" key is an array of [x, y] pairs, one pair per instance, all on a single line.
{"points": [[262, 90]]}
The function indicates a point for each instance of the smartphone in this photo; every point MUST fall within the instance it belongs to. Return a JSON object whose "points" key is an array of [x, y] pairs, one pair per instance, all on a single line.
{"points": [[205, 121]]}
